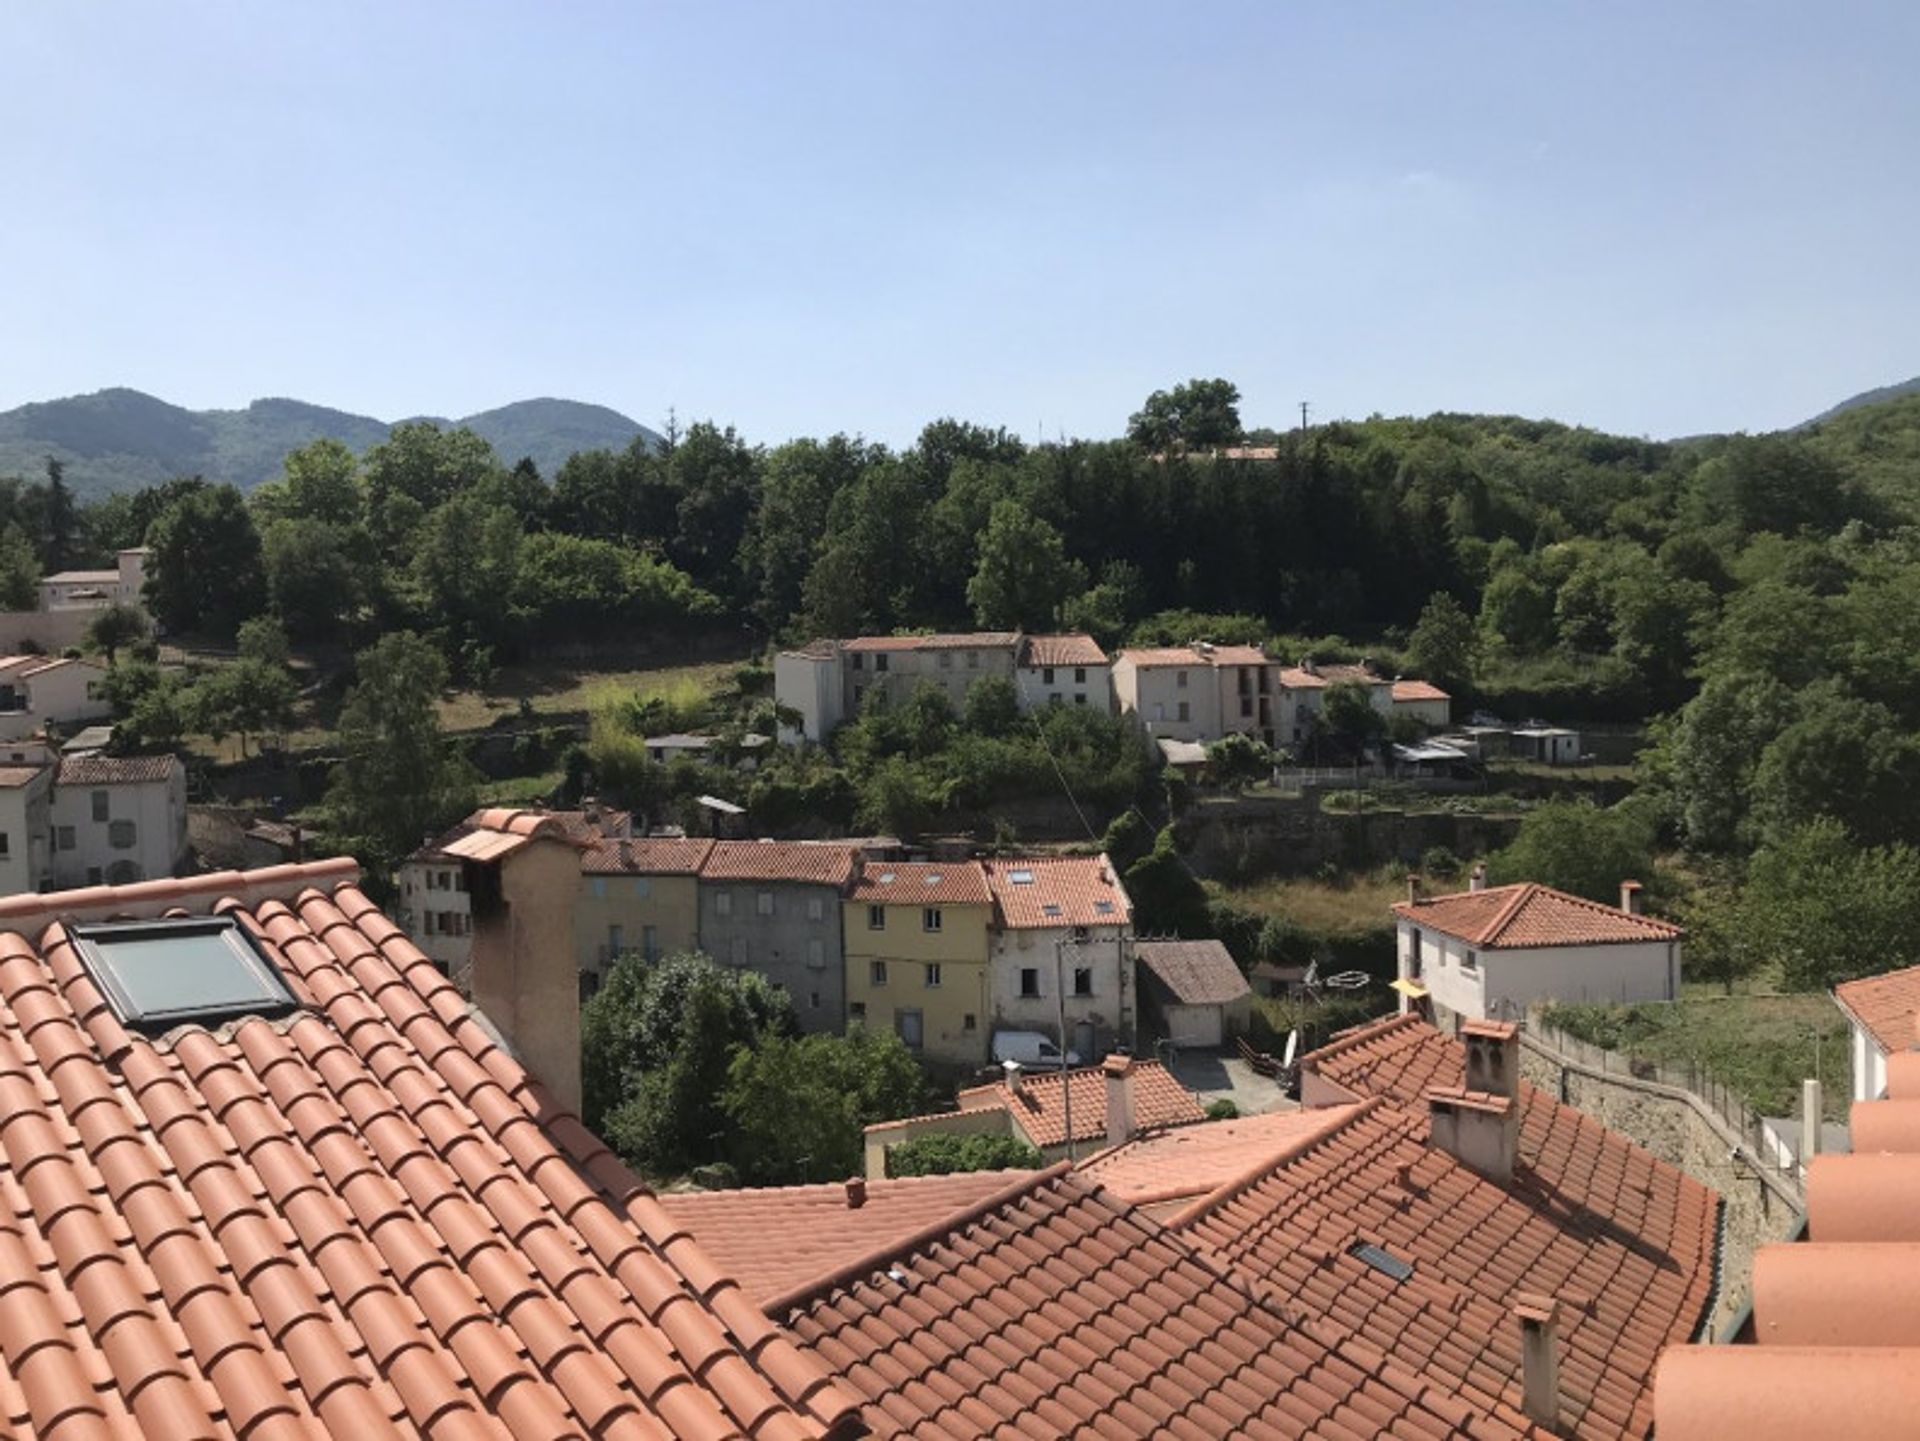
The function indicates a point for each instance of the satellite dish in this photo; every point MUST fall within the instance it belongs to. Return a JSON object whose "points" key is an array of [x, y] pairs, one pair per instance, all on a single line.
{"points": [[1347, 981], [1293, 1047]]}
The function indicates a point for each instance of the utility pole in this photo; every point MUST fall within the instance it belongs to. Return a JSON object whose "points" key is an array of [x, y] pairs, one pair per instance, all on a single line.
{"points": [[1060, 1000], [1303, 415]]}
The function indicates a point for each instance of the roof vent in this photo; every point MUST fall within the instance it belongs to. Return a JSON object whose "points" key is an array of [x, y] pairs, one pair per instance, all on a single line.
{"points": [[933, 878], [1381, 1259]]}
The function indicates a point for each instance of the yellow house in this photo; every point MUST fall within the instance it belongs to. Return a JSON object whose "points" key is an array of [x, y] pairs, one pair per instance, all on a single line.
{"points": [[916, 944], [636, 895]]}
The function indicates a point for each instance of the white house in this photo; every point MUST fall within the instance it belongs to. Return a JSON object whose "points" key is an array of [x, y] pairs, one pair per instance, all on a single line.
{"points": [[1062, 938], [98, 589], [117, 819], [36, 692], [1488, 953], [24, 819], [1550, 745], [1424, 702], [1172, 689], [1064, 670], [1881, 1012]]}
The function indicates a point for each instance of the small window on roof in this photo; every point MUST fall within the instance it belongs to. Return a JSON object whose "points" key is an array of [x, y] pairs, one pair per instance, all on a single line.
{"points": [[1381, 1259], [1049, 909], [1020, 878], [1104, 908], [160, 974]]}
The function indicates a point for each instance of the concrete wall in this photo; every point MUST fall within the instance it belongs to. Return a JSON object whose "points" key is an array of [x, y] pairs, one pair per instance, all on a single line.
{"points": [[24, 812], [1156, 694], [1502, 983], [1434, 714], [1869, 1065], [1109, 1010], [1085, 685], [952, 669], [524, 975], [810, 685], [1758, 1203], [53, 631], [652, 916], [792, 937], [988, 1121]]}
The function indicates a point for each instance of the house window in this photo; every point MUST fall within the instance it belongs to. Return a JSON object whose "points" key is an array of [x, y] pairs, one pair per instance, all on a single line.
{"points": [[5, 845], [813, 1000], [616, 942], [99, 799], [1079, 697], [723, 903], [589, 985], [1053, 698], [1046, 675], [880, 662], [120, 835], [1471, 961], [876, 918], [763, 903], [1246, 705], [1079, 675], [816, 953], [933, 975], [1083, 980], [1413, 955], [859, 661], [911, 1028], [946, 660], [1180, 679], [816, 908], [968, 1023], [63, 838], [930, 918], [1159, 711], [1186, 711], [877, 973], [94, 875], [1029, 982], [649, 943]]}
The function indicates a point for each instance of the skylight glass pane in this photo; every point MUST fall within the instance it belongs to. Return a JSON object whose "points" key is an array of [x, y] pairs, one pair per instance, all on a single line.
{"points": [[168, 973], [1382, 1260], [1020, 878]]}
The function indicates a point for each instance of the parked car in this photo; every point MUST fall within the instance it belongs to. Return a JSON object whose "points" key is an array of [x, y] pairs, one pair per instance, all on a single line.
{"points": [[1031, 1048]]}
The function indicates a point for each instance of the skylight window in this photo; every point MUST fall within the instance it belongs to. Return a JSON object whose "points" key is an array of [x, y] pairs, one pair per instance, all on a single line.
{"points": [[886, 878], [1382, 1260], [161, 974], [934, 879], [1049, 909], [1104, 908], [1020, 878]]}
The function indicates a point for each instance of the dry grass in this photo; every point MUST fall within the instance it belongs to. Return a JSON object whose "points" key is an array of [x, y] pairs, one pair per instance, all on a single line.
{"points": [[1354, 905], [561, 690]]}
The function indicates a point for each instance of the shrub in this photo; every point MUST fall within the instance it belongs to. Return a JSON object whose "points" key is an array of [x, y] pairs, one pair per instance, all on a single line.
{"points": [[1222, 1110], [944, 1155]]}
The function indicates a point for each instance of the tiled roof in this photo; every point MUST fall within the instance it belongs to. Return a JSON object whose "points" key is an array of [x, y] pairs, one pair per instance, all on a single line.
{"points": [[976, 640], [818, 649], [1530, 914], [650, 856], [1886, 1005], [1039, 1108], [963, 883], [1063, 650], [1062, 891], [580, 827], [95, 769], [1295, 677], [1625, 1241], [1171, 655], [81, 577], [362, 1220], [1163, 1170], [12, 777], [62, 663], [1060, 1312], [1236, 655], [1414, 690], [777, 1239], [1197, 973], [809, 862], [1351, 675]]}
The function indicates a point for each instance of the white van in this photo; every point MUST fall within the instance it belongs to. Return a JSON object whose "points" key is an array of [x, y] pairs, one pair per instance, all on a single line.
{"points": [[1031, 1048]]}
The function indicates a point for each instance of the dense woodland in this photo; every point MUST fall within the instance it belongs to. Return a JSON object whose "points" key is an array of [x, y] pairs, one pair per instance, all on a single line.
{"points": [[1758, 598]]}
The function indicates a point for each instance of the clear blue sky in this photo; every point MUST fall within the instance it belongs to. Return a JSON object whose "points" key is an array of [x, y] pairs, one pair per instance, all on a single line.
{"points": [[1654, 218]]}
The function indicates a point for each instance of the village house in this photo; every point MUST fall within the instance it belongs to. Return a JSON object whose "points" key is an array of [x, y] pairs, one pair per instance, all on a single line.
{"points": [[775, 907], [1491, 952], [640, 896], [1193, 991], [99, 589], [116, 820], [918, 961], [26, 827], [1881, 1012], [826, 682], [36, 692], [1062, 942]]}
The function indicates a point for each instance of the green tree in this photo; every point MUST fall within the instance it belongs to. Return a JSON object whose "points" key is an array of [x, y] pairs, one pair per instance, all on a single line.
{"points": [[465, 564], [205, 574], [415, 471], [114, 627], [1576, 847], [945, 1155], [60, 520], [318, 575], [396, 780], [1825, 909], [1443, 644], [1239, 760], [321, 481], [152, 708], [19, 571], [1167, 899], [1196, 415], [1348, 716], [252, 697], [1845, 758], [992, 707], [1517, 611], [264, 639], [798, 1106], [1023, 575]]}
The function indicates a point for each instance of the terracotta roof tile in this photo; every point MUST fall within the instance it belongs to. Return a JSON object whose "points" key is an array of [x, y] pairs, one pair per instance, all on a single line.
{"points": [[1060, 1312], [1295, 677], [1043, 650], [364, 1219], [963, 883], [1416, 690], [1039, 1108], [1196, 973], [1885, 1005], [1164, 1169], [12, 777], [576, 826], [974, 640], [1530, 914], [1047, 893], [1145, 657], [818, 863], [752, 1233], [1588, 1215], [95, 769], [649, 856]]}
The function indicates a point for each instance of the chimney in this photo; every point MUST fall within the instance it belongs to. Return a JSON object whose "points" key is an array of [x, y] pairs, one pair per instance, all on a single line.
{"points": [[1810, 1117], [526, 974], [1012, 1071], [1539, 1318], [1493, 1057], [1119, 1074], [1478, 880], [1630, 897], [299, 843], [856, 1192], [1413, 888], [1481, 1132]]}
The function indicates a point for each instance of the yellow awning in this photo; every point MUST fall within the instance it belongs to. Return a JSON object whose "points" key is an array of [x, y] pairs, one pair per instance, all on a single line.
{"points": [[1405, 987]]}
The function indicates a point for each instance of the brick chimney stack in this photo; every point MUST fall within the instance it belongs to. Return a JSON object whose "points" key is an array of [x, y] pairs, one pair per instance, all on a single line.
{"points": [[1119, 1073], [1478, 880], [1493, 1057], [1413, 888], [1630, 897], [1539, 1318], [856, 1192]]}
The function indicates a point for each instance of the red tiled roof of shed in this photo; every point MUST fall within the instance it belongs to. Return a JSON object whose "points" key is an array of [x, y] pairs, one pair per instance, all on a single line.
{"points": [[1885, 1005], [1529, 914], [1061, 1312], [95, 769], [363, 1219], [1195, 973], [1039, 1107]]}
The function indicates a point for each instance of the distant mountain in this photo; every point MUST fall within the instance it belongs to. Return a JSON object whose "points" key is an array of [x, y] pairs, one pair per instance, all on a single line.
{"points": [[1866, 397], [123, 439]]}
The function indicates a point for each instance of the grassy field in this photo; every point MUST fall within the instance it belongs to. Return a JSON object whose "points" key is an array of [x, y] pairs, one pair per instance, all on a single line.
{"points": [[1350, 906], [1758, 1043]]}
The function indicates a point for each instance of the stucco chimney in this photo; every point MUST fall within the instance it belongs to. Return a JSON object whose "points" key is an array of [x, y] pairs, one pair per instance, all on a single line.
{"points": [[1493, 1057], [1011, 1069], [525, 971], [1480, 1131], [1119, 1074], [1630, 897], [1478, 880], [1413, 887], [1539, 1318], [856, 1192]]}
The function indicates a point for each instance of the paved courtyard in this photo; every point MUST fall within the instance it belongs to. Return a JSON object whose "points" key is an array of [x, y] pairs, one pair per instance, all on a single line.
{"points": [[1216, 1075]]}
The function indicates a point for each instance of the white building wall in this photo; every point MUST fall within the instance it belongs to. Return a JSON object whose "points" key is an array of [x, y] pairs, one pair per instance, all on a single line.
{"points": [[1106, 952], [1869, 1066], [437, 913], [1434, 714], [158, 813], [1087, 685], [1498, 984], [67, 694], [809, 685], [1157, 695], [23, 835]]}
